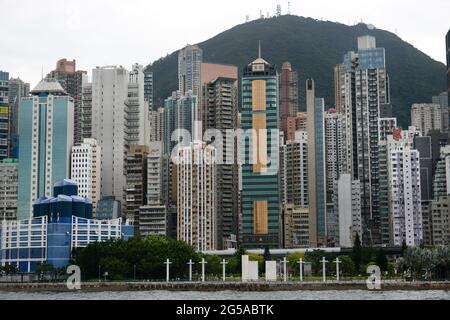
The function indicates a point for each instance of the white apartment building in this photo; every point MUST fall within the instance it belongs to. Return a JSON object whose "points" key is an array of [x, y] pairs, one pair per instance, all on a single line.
{"points": [[85, 170], [426, 117], [197, 196], [347, 203], [404, 189], [118, 113]]}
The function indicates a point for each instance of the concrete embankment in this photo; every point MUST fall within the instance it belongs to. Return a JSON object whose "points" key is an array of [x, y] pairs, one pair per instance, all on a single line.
{"points": [[223, 286]]}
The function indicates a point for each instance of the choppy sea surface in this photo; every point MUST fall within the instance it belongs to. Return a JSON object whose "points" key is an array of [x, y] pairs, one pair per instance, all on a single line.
{"points": [[230, 295]]}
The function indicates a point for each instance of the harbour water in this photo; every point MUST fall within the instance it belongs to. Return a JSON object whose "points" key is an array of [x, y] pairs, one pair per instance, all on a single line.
{"points": [[231, 295]]}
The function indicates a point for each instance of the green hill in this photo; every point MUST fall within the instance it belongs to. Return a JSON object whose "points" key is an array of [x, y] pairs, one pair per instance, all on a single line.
{"points": [[314, 48]]}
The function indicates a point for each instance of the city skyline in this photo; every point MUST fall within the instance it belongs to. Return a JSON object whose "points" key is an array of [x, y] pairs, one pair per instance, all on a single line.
{"points": [[76, 22]]}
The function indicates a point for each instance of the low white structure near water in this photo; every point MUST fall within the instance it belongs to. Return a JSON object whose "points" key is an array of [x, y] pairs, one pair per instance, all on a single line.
{"points": [[249, 270], [271, 271]]}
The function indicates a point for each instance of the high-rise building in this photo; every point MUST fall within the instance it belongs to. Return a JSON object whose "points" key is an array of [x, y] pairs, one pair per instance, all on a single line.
{"points": [[8, 189], [135, 190], [347, 202], [440, 221], [426, 117], [333, 149], [190, 59], [148, 88], [294, 124], [405, 200], [441, 180], [156, 125], [71, 81], [46, 132], [4, 116], [316, 166], [219, 110], [261, 209], [295, 227], [288, 95], [115, 104], [443, 101], [85, 170], [197, 193], [447, 46], [296, 170], [17, 90], [153, 216], [363, 86]]}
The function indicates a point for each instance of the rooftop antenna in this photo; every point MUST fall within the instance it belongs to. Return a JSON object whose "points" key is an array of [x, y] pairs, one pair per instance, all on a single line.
{"points": [[42, 72], [259, 49]]}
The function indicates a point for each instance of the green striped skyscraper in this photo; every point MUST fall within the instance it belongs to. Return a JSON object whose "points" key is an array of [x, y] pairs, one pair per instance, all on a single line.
{"points": [[260, 146]]}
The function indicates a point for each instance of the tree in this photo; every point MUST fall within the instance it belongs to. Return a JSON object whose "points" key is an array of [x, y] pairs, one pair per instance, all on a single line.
{"points": [[381, 260], [347, 266], [267, 256], [404, 247], [357, 254]]}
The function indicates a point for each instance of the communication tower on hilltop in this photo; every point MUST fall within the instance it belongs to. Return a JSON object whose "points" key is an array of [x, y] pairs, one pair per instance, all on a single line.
{"points": [[289, 7], [278, 10]]}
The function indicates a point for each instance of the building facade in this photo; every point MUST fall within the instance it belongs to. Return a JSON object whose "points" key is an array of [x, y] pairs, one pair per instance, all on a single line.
{"points": [[363, 91], [9, 174], [85, 170], [17, 90], [426, 117], [4, 116], [72, 82], [46, 132], [197, 196], [190, 59], [405, 200], [260, 200], [288, 95]]}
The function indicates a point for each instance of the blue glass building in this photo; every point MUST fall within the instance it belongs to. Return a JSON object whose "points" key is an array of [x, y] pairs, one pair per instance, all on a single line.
{"points": [[59, 225], [46, 137]]}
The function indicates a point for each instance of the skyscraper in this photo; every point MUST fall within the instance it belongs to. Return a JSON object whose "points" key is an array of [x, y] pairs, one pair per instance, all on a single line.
{"points": [[260, 148], [316, 166], [288, 95], [443, 101], [447, 45], [296, 170], [219, 110], [363, 90], [189, 64], [17, 90], [148, 87], [115, 104], [46, 132], [85, 170], [135, 190], [197, 206], [404, 189], [72, 82]]}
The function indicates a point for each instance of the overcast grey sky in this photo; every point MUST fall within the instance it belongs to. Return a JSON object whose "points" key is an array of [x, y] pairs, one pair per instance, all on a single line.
{"points": [[36, 34]]}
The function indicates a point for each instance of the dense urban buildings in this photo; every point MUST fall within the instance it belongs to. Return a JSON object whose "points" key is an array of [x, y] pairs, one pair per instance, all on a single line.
{"points": [[363, 91], [115, 105], [46, 132], [8, 189], [58, 225], [426, 117], [260, 169], [72, 82], [219, 107]]}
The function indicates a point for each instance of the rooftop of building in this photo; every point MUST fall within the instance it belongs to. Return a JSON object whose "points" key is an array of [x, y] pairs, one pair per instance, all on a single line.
{"points": [[49, 86]]}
